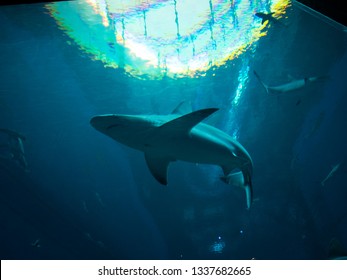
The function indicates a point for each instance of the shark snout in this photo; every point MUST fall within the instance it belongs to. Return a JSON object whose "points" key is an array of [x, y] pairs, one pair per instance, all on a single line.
{"points": [[98, 123], [94, 121], [104, 122]]}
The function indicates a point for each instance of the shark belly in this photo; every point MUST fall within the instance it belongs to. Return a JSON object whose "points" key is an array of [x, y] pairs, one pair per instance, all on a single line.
{"points": [[204, 144], [288, 87], [200, 150]]}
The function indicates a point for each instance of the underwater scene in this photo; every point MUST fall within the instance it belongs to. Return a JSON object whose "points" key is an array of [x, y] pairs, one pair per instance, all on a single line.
{"points": [[172, 129]]}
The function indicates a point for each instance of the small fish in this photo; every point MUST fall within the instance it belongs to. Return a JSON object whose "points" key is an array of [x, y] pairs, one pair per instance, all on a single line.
{"points": [[316, 125], [84, 205], [98, 197], [331, 173], [36, 243], [100, 244], [88, 236]]}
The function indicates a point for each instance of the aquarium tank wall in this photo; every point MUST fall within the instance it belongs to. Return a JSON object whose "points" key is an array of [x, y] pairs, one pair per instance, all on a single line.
{"points": [[172, 129]]}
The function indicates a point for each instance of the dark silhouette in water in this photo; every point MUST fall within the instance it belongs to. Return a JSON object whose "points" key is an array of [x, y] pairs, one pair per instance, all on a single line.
{"points": [[266, 17], [270, 18], [19, 195], [336, 250], [14, 148], [30, 212]]}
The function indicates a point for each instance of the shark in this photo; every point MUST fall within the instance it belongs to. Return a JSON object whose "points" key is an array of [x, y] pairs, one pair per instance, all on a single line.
{"points": [[266, 17], [290, 86], [179, 137], [16, 147], [331, 173]]}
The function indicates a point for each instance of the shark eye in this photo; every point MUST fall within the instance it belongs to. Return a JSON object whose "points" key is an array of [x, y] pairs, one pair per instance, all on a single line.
{"points": [[234, 154]]}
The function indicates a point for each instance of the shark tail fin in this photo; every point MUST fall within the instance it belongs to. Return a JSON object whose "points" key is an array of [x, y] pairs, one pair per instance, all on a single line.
{"points": [[318, 78], [261, 81], [239, 179], [248, 189], [249, 195]]}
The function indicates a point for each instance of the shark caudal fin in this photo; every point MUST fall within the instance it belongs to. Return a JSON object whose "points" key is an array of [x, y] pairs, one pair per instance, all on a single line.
{"points": [[249, 195], [242, 180], [248, 188], [260, 80], [317, 79]]}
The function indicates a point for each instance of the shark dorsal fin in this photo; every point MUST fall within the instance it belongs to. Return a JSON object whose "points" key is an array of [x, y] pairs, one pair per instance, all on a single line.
{"points": [[158, 166], [186, 122]]}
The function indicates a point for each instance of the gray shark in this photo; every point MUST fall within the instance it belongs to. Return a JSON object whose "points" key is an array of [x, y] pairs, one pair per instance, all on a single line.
{"points": [[167, 138], [270, 18], [266, 17], [291, 86], [16, 147]]}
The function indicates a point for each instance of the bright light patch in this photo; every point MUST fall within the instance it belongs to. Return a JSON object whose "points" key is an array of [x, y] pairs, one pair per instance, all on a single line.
{"points": [[155, 38], [218, 246]]}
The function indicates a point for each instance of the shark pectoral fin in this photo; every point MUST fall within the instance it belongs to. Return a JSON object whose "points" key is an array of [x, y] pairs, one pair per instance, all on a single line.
{"points": [[186, 122], [158, 166], [261, 81]]}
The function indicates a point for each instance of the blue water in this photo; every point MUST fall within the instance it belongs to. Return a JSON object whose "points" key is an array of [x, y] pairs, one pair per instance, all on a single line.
{"points": [[88, 197]]}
